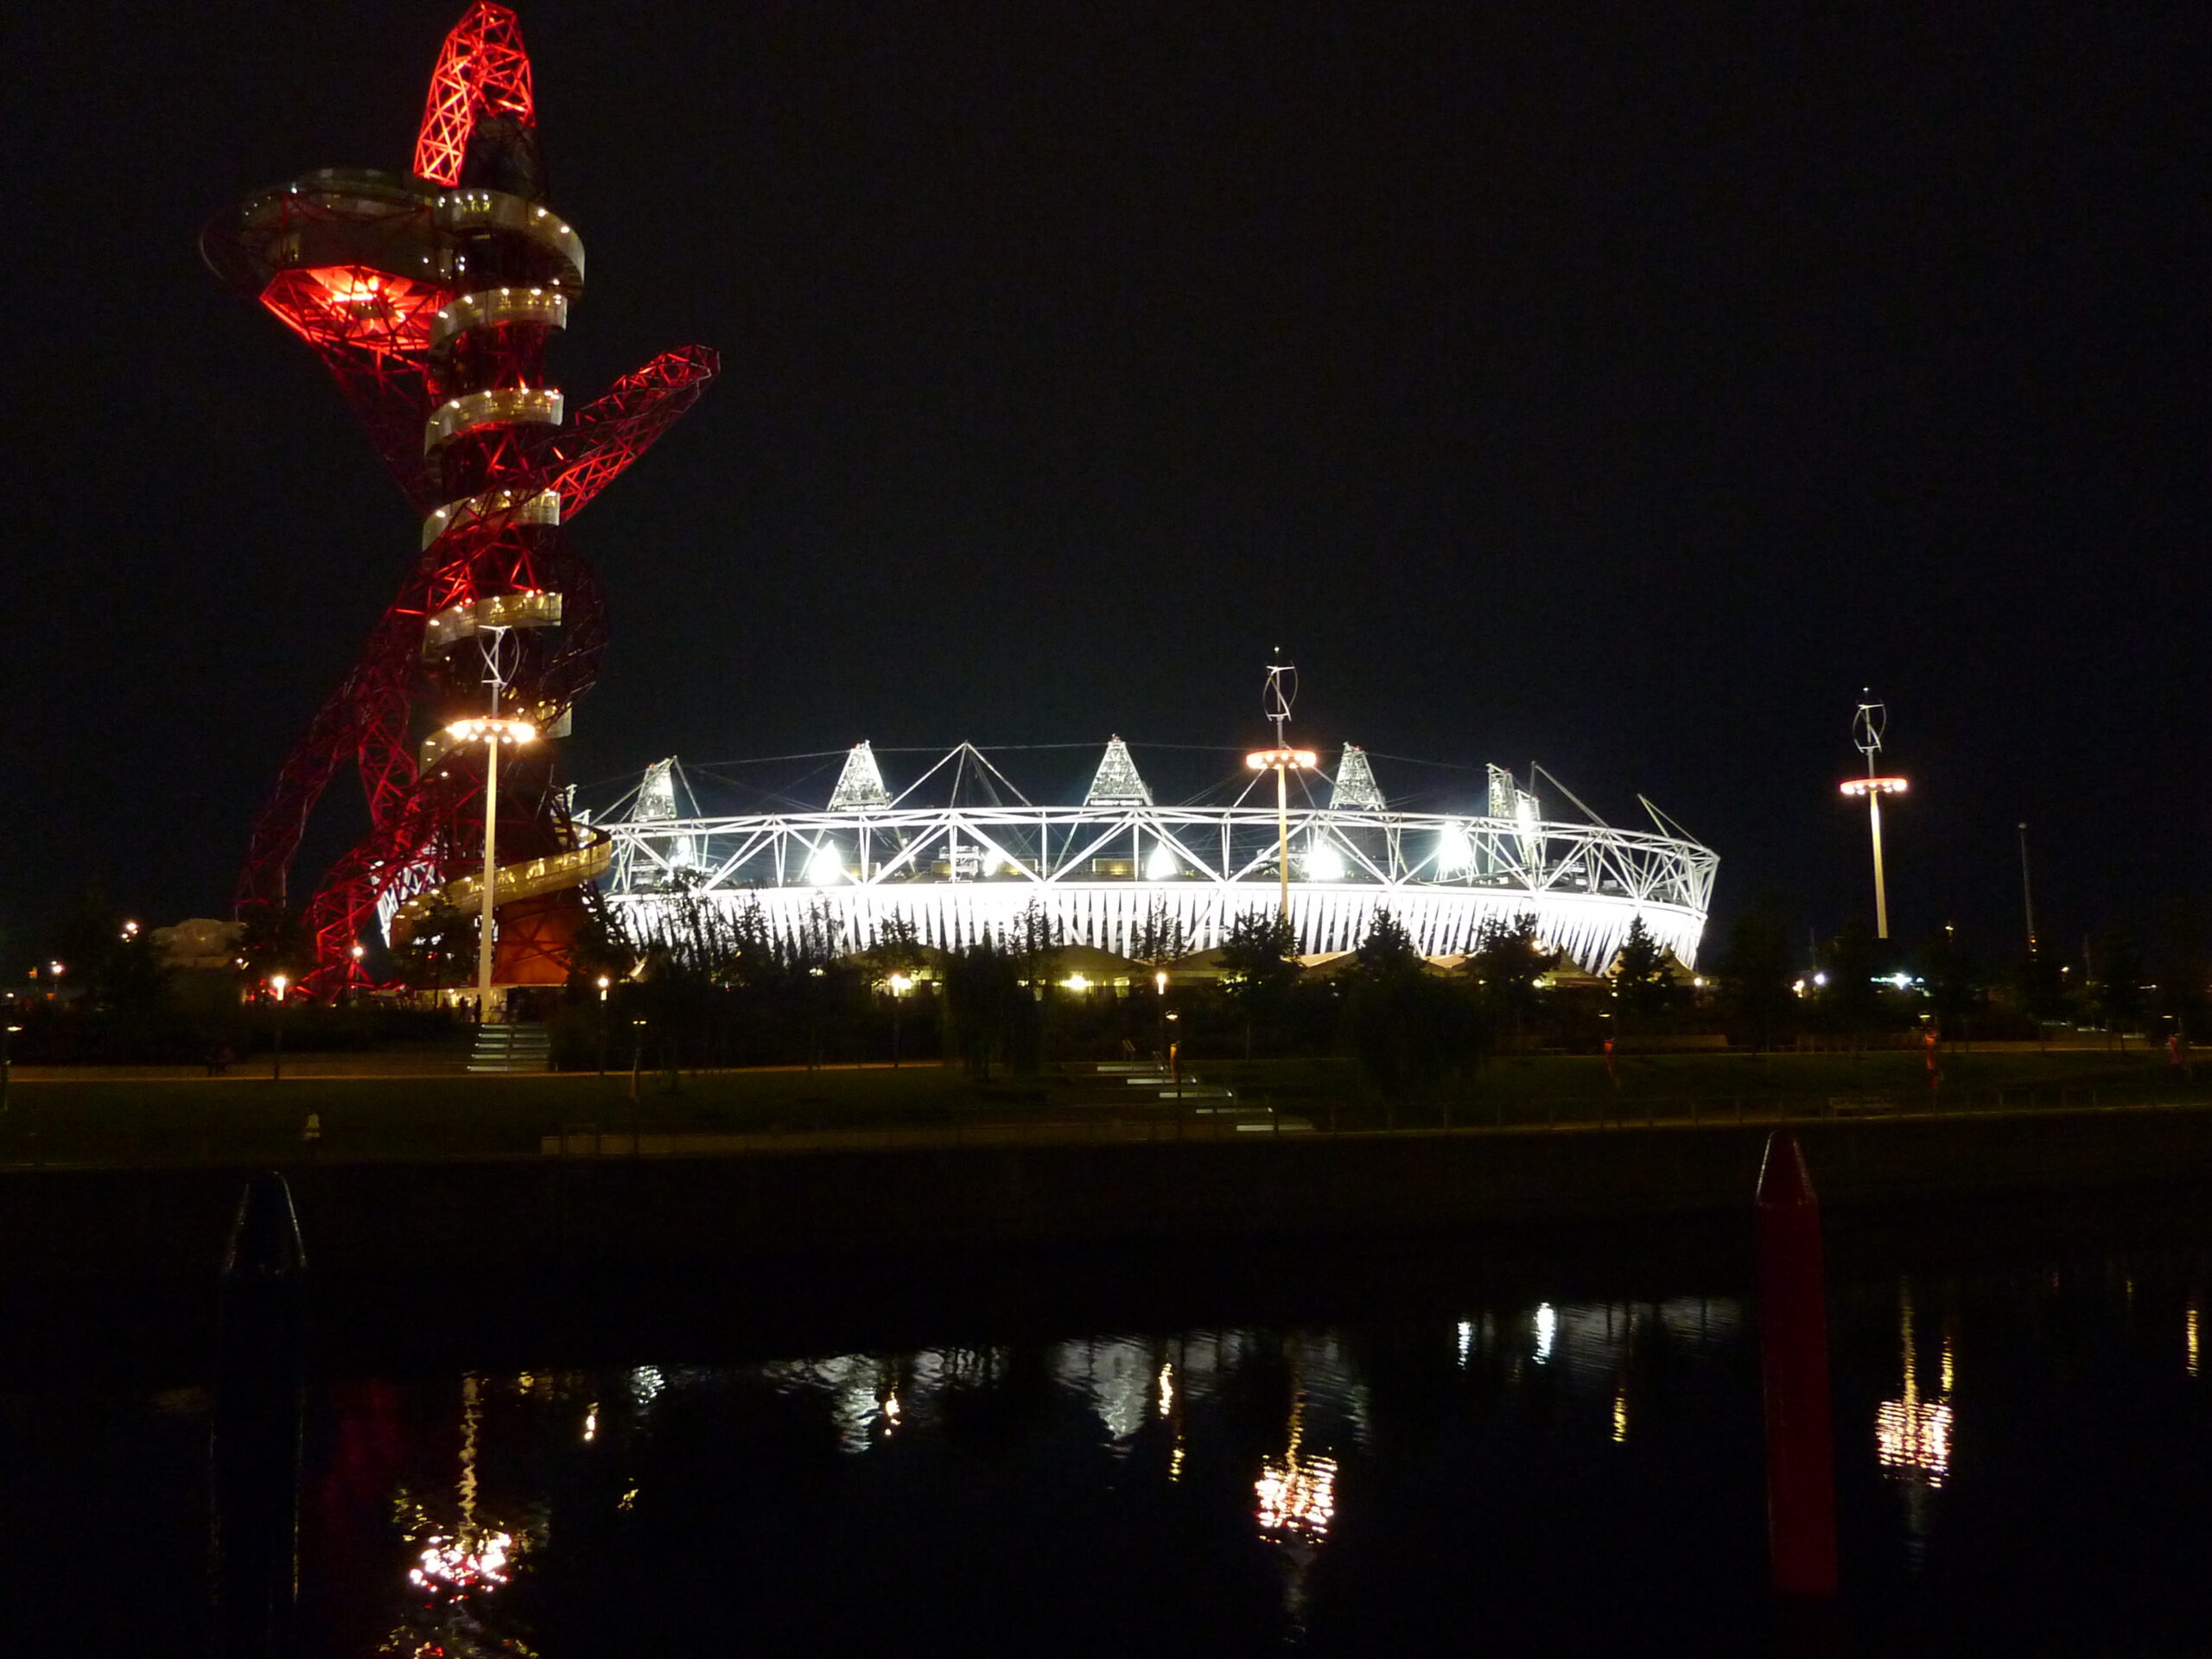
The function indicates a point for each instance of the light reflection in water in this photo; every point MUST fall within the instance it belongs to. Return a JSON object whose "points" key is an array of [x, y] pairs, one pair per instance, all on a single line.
{"points": [[1115, 1376], [459, 1565], [448, 1565], [2188, 1333], [1297, 1496], [1912, 1436], [1546, 1329]]}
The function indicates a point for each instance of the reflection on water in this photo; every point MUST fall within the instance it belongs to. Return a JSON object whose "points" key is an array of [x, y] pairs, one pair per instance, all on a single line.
{"points": [[1231, 1490], [1912, 1435], [462, 1559], [1290, 1415]]}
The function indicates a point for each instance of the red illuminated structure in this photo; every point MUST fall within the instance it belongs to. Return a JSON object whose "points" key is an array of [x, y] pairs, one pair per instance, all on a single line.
{"points": [[430, 299]]}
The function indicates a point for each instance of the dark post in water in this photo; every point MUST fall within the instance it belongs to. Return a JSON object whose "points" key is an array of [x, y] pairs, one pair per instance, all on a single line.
{"points": [[1794, 1370], [255, 1542]]}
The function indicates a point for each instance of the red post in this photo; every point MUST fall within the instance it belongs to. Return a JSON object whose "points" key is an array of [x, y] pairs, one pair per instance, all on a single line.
{"points": [[1794, 1370]]}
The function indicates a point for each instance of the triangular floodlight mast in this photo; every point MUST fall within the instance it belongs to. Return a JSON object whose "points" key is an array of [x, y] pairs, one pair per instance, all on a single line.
{"points": [[1501, 792], [860, 785], [1116, 782], [656, 794], [1354, 789]]}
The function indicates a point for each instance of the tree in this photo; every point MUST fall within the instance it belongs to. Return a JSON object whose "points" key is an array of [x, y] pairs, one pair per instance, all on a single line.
{"points": [[2039, 989], [893, 960], [984, 1003], [438, 950], [275, 941], [114, 963], [2117, 984], [601, 948], [1507, 961], [898, 949], [2180, 969], [1160, 938], [1388, 950], [1406, 1024], [1849, 1000], [827, 990], [1258, 967], [1757, 975], [1953, 981], [1642, 980]]}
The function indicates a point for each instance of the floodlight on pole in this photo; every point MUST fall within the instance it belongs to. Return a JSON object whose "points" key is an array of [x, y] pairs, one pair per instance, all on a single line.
{"points": [[490, 730], [1281, 760], [1867, 728]]}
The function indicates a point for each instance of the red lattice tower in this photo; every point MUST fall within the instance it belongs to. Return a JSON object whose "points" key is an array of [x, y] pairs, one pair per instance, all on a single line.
{"points": [[430, 299]]}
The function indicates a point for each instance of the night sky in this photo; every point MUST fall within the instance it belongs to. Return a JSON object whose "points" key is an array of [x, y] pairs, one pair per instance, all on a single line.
{"points": [[1619, 387]]}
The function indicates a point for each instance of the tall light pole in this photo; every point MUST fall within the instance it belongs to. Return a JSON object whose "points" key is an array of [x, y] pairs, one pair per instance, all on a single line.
{"points": [[276, 983], [1282, 687], [490, 730], [2027, 890], [1866, 734]]}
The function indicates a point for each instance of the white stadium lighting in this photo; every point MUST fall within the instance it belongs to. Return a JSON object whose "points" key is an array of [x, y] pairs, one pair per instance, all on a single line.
{"points": [[959, 863], [1324, 862], [1455, 850]]}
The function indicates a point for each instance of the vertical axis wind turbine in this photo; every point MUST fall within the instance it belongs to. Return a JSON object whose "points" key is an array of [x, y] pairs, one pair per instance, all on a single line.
{"points": [[1866, 727]]}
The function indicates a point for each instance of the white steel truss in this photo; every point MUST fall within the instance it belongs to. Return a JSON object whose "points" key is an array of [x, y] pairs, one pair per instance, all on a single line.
{"points": [[1108, 875]]}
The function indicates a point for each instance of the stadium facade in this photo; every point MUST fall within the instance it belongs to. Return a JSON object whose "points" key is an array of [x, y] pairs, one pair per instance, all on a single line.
{"points": [[961, 853]]}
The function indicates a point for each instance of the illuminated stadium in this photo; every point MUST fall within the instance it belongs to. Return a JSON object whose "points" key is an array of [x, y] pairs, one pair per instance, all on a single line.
{"points": [[961, 851]]}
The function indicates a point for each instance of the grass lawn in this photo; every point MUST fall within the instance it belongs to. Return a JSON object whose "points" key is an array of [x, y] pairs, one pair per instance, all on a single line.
{"points": [[232, 1119]]}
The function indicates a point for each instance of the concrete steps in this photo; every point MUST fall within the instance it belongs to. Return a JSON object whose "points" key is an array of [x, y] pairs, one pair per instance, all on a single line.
{"points": [[512, 1048]]}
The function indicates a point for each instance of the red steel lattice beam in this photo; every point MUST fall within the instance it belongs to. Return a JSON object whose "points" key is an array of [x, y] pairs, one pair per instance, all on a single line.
{"points": [[482, 70]]}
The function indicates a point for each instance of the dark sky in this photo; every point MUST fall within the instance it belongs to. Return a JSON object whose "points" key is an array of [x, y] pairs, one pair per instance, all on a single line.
{"points": [[1620, 387]]}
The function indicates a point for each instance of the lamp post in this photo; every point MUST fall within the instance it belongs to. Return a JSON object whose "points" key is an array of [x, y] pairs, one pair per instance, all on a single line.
{"points": [[900, 984], [490, 730], [1866, 735], [276, 983], [1281, 689], [604, 982]]}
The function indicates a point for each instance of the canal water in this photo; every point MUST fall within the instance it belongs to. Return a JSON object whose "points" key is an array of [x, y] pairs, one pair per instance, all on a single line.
{"points": [[2022, 1436]]}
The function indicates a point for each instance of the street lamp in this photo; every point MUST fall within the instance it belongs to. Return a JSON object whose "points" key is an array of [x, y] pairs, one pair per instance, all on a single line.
{"points": [[604, 982], [276, 983], [490, 730], [1282, 762], [1281, 689], [900, 984], [6, 1063], [1866, 735]]}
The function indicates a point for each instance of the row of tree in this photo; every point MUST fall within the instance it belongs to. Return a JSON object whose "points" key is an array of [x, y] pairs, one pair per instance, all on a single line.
{"points": [[713, 986]]}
